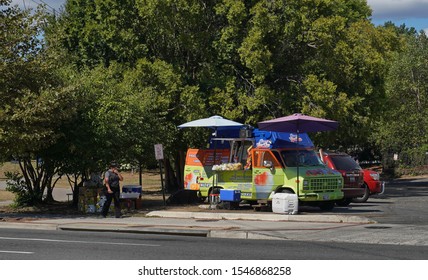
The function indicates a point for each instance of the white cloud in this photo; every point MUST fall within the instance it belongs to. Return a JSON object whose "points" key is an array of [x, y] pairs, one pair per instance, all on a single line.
{"points": [[51, 4], [399, 9]]}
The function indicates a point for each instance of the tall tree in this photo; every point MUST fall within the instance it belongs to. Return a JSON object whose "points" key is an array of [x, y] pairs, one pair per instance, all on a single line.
{"points": [[33, 105], [403, 128], [245, 60]]}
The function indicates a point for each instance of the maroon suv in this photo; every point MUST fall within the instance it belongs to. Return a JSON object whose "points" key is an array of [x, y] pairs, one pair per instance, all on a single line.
{"points": [[351, 171]]}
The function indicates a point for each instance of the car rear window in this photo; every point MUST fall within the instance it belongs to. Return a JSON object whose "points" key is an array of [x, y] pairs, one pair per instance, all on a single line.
{"points": [[345, 163]]}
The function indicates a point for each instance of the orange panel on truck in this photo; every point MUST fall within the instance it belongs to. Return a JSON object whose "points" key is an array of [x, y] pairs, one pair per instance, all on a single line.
{"points": [[198, 157]]}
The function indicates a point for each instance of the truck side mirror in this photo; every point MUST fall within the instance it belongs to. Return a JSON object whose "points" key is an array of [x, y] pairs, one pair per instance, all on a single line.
{"points": [[267, 163]]}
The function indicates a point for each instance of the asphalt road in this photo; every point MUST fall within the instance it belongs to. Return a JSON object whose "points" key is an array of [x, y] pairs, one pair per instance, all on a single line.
{"points": [[58, 245], [403, 202]]}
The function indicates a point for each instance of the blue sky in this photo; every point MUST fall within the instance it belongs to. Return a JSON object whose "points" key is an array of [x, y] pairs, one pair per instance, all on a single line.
{"points": [[413, 13]]}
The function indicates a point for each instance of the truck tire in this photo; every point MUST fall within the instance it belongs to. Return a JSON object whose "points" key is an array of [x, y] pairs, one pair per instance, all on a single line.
{"points": [[364, 197], [215, 190], [284, 191], [326, 206], [201, 198]]}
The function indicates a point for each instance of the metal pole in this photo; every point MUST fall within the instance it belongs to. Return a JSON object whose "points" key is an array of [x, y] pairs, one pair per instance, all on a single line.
{"points": [[215, 155], [140, 173], [298, 179], [163, 187]]}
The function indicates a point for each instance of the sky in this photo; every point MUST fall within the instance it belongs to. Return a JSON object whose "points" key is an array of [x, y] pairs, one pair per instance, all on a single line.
{"points": [[413, 13]]}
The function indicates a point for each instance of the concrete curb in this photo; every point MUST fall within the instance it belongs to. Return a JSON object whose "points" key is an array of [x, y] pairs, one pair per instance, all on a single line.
{"points": [[185, 232], [263, 217], [28, 226]]}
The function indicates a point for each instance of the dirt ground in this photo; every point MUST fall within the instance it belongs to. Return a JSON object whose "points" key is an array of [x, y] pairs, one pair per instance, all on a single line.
{"points": [[152, 199]]}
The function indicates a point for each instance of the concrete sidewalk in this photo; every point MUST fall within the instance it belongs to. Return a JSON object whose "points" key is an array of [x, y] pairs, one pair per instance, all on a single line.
{"points": [[329, 228]]}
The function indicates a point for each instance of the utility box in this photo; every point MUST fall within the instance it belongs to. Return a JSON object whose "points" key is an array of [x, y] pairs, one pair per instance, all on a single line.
{"points": [[230, 195], [285, 203]]}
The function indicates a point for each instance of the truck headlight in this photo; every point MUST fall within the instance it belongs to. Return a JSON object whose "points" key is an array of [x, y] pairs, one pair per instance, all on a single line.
{"points": [[375, 176], [305, 185]]}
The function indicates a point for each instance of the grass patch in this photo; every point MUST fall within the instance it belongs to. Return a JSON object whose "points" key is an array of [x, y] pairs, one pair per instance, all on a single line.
{"points": [[8, 167], [5, 195], [150, 178]]}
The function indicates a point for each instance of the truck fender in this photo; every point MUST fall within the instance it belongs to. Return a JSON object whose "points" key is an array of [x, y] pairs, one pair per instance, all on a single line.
{"points": [[214, 190]]}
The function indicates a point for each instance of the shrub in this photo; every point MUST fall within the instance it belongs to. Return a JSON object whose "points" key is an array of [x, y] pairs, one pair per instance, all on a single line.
{"points": [[16, 185]]}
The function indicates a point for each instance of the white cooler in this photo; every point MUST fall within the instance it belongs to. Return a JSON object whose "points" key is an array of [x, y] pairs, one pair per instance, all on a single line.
{"points": [[285, 203], [131, 191]]}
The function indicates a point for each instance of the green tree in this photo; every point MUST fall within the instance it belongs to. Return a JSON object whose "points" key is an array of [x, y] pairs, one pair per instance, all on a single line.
{"points": [[403, 127], [33, 104], [244, 60]]}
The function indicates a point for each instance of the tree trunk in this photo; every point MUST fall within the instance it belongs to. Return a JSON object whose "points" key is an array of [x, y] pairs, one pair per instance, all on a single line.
{"points": [[49, 195], [170, 179], [179, 167]]}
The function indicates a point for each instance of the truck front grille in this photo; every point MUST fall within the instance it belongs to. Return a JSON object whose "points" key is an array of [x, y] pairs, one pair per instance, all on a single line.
{"points": [[322, 184]]}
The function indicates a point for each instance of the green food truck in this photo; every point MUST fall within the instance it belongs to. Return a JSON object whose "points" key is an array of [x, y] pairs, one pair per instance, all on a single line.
{"points": [[260, 164]]}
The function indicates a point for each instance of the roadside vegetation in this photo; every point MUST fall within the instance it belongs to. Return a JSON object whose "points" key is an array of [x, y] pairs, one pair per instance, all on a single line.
{"points": [[106, 80]]}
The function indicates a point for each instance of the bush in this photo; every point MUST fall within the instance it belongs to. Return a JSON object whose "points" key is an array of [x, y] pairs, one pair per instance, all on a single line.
{"points": [[413, 171], [413, 158], [16, 185]]}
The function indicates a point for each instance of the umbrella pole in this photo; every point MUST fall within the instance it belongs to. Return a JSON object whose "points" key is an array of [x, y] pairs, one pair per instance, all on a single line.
{"points": [[214, 158], [298, 163]]}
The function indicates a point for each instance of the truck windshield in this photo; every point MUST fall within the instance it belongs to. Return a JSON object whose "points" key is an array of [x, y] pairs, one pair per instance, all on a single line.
{"points": [[300, 157], [345, 163]]}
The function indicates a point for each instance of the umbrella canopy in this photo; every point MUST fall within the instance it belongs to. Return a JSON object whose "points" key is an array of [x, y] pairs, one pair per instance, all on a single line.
{"points": [[213, 122], [216, 123], [298, 123]]}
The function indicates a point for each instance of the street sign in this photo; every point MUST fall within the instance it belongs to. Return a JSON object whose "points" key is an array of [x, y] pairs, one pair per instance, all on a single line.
{"points": [[158, 151]]}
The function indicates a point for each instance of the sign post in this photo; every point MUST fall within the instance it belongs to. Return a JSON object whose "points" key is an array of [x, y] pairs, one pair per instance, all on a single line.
{"points": [[159, 157]]}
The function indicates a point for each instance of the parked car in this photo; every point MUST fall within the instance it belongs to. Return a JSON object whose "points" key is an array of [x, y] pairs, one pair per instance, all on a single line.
{"points": [[352, 173], [372, 185]]}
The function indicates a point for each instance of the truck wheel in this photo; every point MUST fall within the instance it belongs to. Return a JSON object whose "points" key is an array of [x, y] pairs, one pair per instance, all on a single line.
{"points": [[201, 198], [285, 191], [364, 197], [344, 202], [326, 206], [215, 190]]}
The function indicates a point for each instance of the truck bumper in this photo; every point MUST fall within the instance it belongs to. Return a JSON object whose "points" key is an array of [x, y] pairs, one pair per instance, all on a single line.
{"points": [[376, 187], [320, 196], [353, 192]]}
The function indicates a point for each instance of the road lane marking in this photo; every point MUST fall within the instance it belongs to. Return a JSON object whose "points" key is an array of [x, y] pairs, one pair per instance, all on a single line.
{"points": [[76, 241], [16, 252]]}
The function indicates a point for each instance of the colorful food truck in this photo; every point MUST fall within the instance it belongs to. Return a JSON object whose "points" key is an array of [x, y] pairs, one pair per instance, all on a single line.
{"points": [[260, 164]]}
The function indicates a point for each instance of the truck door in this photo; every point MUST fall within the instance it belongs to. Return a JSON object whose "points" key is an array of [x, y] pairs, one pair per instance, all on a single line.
{"points": [[267, 173]]}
